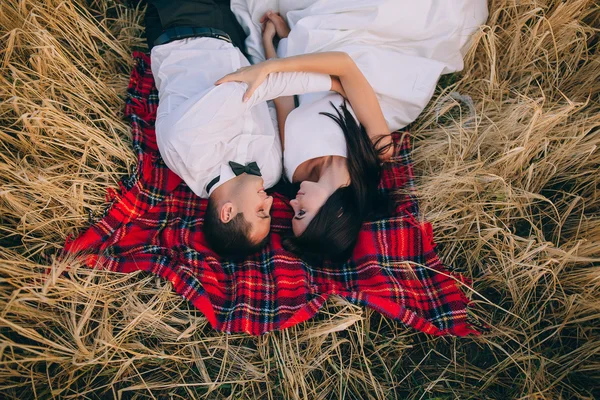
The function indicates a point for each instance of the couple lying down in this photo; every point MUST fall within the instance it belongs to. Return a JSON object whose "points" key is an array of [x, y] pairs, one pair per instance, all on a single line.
{"points": [[361, 69]]}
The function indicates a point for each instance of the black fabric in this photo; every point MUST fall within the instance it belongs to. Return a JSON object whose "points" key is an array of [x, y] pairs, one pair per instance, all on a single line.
{"points": [[212, 183], [251, 168], [164, 14], [153, 26], [181, 32]]}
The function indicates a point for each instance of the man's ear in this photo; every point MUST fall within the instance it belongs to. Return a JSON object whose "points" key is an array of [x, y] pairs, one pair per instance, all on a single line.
{"points": [[227, 212]]}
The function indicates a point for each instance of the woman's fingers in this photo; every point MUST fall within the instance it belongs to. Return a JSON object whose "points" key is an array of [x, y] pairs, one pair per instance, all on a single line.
{"points": [[232, 77], [249, 92], [222, 80], [226, 78], [253, 76]]}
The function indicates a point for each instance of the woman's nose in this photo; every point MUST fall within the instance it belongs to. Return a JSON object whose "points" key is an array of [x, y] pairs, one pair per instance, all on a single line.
{"points": [[294, 204]]}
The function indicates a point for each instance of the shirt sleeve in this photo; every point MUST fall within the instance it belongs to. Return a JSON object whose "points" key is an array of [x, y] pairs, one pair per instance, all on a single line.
{"points": [[281, 84]]}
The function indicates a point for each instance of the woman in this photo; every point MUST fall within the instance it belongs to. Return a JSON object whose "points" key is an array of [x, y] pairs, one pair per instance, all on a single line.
{"points": [[388, 56], [334, 157]]}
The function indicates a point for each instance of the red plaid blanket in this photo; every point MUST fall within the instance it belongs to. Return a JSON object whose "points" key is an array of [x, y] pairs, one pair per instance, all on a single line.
{"points": [[154, 224]]}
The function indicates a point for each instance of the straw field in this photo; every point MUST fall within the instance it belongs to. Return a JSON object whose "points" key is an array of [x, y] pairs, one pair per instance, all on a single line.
{"points": [[509, 181]]}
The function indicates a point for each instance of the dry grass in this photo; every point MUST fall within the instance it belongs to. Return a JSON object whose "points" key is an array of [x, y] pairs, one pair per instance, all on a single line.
{"points": [[512, 192]]}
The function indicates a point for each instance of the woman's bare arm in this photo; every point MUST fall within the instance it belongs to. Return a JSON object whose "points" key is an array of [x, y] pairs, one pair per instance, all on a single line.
{"points": [[357, 89]]}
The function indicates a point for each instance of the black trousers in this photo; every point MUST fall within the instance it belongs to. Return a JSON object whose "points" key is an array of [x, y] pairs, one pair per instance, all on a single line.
{"points": [[164, 14]]}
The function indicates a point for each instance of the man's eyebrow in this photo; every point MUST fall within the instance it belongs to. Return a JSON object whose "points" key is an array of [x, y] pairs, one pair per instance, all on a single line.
{"points": [[265, 217]]}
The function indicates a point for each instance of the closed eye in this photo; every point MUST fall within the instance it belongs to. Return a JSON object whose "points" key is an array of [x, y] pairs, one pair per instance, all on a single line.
{"points": [[300, 214], [263, 215]]}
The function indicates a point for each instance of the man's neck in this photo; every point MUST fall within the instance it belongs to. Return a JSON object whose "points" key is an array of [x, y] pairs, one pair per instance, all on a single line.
{"points": [[227, 189]]}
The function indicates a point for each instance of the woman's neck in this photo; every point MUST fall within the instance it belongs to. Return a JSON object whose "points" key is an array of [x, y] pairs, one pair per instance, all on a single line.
{"points": [[333, 172], [330, 169]]}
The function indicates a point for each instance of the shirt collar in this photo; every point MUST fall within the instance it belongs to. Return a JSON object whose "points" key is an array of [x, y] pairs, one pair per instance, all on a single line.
{"points": [[225, 175]]}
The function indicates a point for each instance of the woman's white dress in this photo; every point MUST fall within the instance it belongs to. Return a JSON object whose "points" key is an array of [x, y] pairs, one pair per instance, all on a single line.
{"points": [[402, 47]]}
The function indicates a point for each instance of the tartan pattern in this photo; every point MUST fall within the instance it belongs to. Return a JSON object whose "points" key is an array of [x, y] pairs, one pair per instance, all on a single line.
{"points": [[154, 224]]}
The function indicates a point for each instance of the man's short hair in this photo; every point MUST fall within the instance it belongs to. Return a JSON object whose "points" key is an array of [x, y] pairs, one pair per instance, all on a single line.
{"points": [[230, 239]]}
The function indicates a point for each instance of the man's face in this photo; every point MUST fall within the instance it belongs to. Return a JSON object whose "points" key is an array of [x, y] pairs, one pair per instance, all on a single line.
{"points": [[256, 206]]}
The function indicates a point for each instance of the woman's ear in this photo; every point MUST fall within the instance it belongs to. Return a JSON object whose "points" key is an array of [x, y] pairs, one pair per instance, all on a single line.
{"points": [[227, 212]]}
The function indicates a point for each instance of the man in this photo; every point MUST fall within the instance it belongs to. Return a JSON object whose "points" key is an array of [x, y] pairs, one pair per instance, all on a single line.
{"points": [[225, 149]]}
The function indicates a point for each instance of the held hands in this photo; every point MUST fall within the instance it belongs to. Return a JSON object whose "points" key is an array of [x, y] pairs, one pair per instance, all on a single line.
{"points": [[281, 27], [274, 28]]}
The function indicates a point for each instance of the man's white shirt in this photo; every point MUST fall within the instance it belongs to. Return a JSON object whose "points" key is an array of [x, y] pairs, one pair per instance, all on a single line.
{"points": [[200, 127]]}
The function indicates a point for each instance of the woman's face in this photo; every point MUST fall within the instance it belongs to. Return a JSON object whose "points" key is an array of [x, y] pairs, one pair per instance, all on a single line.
{"points": [[309, 200]]}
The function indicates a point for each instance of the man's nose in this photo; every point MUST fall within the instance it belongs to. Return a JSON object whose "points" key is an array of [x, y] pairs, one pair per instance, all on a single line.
{"points": [[268, 203]]}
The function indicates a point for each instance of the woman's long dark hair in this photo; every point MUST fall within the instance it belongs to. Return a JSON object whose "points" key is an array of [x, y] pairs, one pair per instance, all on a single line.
{"points": [[333, 231]]}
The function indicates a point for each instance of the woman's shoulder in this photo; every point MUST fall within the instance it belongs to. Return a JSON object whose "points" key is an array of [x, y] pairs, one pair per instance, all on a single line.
{"points": [[307, 122], [309, 134]]}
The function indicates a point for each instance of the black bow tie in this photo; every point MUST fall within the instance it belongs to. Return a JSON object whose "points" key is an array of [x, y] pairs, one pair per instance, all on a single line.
{"points": [[250, 168]]}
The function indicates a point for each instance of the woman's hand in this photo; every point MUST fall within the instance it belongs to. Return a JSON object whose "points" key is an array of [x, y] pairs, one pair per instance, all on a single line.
{"points": [[252, 75], [268, 35], [269, 32]]}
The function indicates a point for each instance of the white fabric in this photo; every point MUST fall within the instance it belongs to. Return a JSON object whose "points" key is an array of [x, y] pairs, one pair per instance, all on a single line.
{"points": [[401, 46], [309, 134], [201, 127]]}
